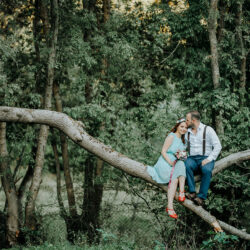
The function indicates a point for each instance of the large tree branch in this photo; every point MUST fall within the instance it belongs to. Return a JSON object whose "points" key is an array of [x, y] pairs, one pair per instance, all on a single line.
{"points": [[74, 130], [229, 161]]}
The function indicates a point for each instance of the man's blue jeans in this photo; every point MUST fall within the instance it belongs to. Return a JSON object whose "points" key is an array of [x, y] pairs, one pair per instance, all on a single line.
{"points": [[193, 165]]}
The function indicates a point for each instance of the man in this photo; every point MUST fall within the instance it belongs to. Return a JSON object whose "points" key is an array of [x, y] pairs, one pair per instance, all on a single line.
{"points": [[204, 147]]}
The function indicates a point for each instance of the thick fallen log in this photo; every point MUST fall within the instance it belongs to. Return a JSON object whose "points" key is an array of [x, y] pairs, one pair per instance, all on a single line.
{"points": [[75, 131]]}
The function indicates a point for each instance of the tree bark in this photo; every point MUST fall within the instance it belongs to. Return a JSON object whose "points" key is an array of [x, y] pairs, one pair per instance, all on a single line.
{"points": [[9, 190], [30, 220], [89, 213], [37, 38], [242, 87], [222, 11], [228, 161], [74, 129], [21, 191], [93, 188], [58, 181], [106, 10], [212, 27], [64, 148], [18, 164]]}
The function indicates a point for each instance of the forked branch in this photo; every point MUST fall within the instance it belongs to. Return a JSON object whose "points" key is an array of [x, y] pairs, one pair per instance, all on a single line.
{"points": [[75, 131]]}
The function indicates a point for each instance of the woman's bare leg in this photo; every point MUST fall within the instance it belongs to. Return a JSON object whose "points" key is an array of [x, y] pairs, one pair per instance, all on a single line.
{"points": [[171, 193], [181, 183]]}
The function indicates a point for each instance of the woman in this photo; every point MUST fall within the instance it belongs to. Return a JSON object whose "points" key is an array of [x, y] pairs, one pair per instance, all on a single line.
{"points": [[168, 168]]}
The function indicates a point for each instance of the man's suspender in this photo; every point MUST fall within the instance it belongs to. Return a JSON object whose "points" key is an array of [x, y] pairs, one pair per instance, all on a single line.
{"points": [[203, 140], [188, 143]]}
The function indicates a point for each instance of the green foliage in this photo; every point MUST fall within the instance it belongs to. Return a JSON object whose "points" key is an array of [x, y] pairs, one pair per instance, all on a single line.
{"points": [[128, 80], [220, 241]]}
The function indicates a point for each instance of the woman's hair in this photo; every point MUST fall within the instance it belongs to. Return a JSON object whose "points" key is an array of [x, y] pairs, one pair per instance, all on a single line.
{"points": [[174, 129]]}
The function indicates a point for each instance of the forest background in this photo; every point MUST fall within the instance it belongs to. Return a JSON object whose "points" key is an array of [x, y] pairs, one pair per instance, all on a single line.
{"points": [[126, 70]]}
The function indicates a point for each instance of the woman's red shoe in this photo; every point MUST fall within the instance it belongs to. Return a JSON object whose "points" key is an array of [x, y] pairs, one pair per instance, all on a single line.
{"points": [[181, 197], [171, 213]]}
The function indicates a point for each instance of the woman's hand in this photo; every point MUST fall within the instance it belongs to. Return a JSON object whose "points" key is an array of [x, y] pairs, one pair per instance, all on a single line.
{"points": [[177, 154], [172, 163], [181, 155]]}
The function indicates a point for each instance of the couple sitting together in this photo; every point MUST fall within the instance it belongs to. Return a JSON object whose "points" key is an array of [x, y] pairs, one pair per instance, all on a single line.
{"points": [[173, 166]]}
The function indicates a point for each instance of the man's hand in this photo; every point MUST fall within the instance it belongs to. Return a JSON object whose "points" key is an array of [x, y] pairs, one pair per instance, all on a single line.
{"points": [[204, 162]]}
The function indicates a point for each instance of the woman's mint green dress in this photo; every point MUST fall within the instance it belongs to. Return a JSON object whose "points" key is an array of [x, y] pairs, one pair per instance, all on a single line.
{"points": [[162, 170]]}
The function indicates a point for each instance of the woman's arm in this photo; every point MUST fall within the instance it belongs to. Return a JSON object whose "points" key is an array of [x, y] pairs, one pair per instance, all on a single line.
{"points": [[166, 145]]}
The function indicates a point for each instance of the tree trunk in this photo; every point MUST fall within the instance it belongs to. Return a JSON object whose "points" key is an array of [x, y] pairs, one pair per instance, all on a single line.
{"points": [[98, 187], [242, 87], [21, 191], [64, 148], [89, 219], [93, 188], [222, 11], [30, 220], [37, 38], [74, 129], [212, 26], [89, 4], [93, 191], [12, 222], [58, 180], [106, 10]]}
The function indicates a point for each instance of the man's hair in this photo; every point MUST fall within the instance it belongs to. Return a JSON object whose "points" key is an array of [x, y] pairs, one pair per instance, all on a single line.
{"points": [[195, 115]]}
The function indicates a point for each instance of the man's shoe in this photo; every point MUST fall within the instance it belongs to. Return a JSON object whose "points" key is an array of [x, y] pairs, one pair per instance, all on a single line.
{"points": [[191, 196], [199, 201]]}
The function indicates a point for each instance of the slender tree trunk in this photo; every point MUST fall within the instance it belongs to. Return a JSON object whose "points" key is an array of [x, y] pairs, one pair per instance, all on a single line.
{"points": [[98, 187], [64, 148], [93, 186], [212, 27], [93, 191], [21, 191], [9, 189], [37, 38], [30, 221], [18, 164], [38, 79], [90, 6], [242, 87], [222, 11], [91, 201], [58, 180], [106, 10], [65, 156]]}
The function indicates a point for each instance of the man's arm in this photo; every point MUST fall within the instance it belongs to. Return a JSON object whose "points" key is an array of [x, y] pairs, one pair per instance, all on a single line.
{"points": [[215, 143]]}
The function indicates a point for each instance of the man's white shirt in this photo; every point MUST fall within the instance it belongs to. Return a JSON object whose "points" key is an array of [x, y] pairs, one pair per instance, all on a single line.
{"points": [[213, 145]]}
